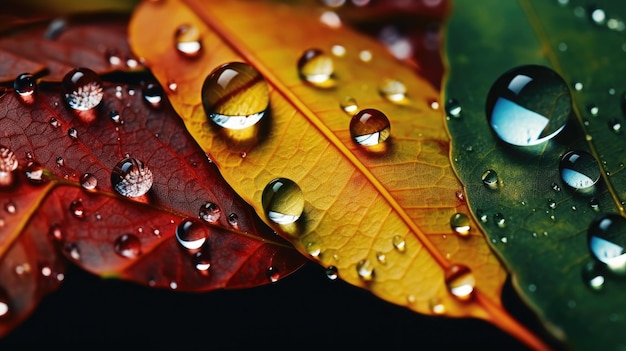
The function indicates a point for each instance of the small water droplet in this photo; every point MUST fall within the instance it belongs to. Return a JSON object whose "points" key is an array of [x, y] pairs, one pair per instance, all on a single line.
{"points": [[399, 243], [332, 272], [56, 232], [8, 164], [381, 257], [191, 234], [369, 127], [131, 63], [127, 245], [499, 219], [555, 187], [365, 55], [460, 195], [131, 178], [152, 94], [594, 204], [436, 306], [460, 223], [349, 105], [72, 133], [22, 269], [313, 249], [54, 122], [115, 117], [72, 250], [607, 241], [338, 50], [187, 40], [579, 170], [83, 89], [490, 179], [316, 68], [173, 285], [482, 216], [202, 260], [615, 125], [25, 85], [578, 86], [172, 86], [434, 105], [593, 275], [597, 16], [593, 110], [46, 271], [60, 161], [283, 201], [272, 274], [113, 57], [460, 281], [393, 90], [551, 204], [210, 212], [235, 96], [453, 108], [77, 209], [88, 181], [365, 270], [34, 172], [4, 304], [10, 207], [528, 105], [233, 220]]}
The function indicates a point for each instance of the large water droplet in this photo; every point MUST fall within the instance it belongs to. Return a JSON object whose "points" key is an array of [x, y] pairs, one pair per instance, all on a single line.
{"points": [[131, 178], [460, 223], [25, 85], [593, 275], [191, 234], [490, 179], [152, 94], [365, 270], [528, 105], [283, 201], [83, 89], [187, 40], [607, 241], [369, 127], [127, 245], [8, 164], [210, 212], [579, 170], [393, 90], [77, 209], [88, 181], [235, 96], [316, 68], [436, 306], [460, 281]]}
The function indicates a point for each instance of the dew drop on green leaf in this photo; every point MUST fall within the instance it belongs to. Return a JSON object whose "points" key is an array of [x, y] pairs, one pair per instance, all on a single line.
{"points": [[607, 241], [579, 170]]}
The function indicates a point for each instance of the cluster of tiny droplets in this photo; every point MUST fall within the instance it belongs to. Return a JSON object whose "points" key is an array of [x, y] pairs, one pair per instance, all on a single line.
{"points": [[136, 182], [86, 97]]}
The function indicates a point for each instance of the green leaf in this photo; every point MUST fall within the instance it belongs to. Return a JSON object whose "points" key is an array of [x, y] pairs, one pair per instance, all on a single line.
{"points": [[545, 248]]}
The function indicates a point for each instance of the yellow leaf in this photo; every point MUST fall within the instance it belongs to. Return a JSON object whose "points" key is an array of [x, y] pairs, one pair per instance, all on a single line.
{"points": [[380, 215]]}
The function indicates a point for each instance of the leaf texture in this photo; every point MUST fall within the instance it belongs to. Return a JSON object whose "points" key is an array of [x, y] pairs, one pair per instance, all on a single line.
{"points": [[356, 200], [545, 241]]}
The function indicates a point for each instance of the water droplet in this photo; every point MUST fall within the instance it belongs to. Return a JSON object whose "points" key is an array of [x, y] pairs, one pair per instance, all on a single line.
{"points": [[436, 306], [551, 204], [349, 105], [593, 110], [88, 181], [233, 220], [460, 223], [202, 260], [369, 127], [191, 234], [152, 94], [114, 115], [499, 219], [72, 133], [83, 89], [173, 285], [235, 96], [283, 201], [314, 249], [187, 40], [10, 207], [331, 19], [578, 86], [332, 273], [127, 245], [316, 67], [210, 212], [54, 122], [34, 172], [77, 209], [579, 170], [365, 270], [112, 56], [381, 257], [4, 303], [172, 86], [607, 241], [460, 281], [338, 50], [594, 204], [615, 125], [393, 90], [555, 187], [131, 178], [56, 232], [272, 274], [399, 243], [593, 275], [528, 105], [8, 164], [365, 55], [453, 108], [25, 85], [72, 250], [22, 269], [490, 179], [597, 16], [60, 161]]}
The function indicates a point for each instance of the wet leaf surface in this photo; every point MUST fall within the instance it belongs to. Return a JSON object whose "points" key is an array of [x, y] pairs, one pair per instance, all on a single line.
{"points": [[379, 216], [547, 230], [60, 200]]}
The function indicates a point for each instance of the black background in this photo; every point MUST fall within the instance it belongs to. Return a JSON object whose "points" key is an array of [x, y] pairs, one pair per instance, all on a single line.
{"points": [[302, 311]]}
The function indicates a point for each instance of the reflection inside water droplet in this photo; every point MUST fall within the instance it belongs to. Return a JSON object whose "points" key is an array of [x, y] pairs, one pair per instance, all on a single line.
{"points": [[607, 241], [370, 127], [490, 179], [316, 68], [209, 212], [528, 105], [579, 170], [131, 178], [365, 270], [191, 234], [283, 201], [460, 223], [187, 40], [235, 96], [83, 89], [460, 281]]}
